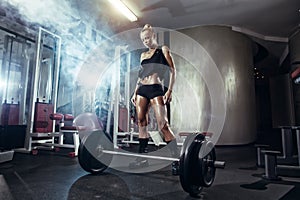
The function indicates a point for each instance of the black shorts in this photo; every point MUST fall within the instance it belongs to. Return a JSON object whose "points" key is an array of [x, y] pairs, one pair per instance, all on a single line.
{"points": [[150, 91]]}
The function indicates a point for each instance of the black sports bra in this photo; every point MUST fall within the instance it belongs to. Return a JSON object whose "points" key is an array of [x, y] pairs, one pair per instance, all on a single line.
{"points": [[157, 63]]}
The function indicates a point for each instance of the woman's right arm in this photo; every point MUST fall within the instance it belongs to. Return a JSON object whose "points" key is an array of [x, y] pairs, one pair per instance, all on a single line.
{"points": [[133, 98]]}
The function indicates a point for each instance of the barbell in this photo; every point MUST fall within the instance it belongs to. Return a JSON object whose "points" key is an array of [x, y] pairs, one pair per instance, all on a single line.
{"points": [[197, 161]]}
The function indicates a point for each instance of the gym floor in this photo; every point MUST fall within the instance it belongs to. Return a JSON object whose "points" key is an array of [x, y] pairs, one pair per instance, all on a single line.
{"points": [[54, 175]]}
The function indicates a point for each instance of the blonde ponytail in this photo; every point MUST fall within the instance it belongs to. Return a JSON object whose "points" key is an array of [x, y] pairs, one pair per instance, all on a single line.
{"points": [[147, 27]]}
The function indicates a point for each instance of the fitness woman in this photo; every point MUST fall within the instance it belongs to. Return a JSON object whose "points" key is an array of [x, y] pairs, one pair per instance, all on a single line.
{"points": [[149, 91]]}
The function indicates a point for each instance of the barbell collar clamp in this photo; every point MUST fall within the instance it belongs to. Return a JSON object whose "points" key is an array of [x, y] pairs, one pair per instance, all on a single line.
{"points": [[215, 164], [219, 164]]}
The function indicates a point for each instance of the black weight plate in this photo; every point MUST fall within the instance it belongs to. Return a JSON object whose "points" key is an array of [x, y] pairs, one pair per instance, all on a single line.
{"points": [[194, 168], [90, 157], [183, 173], [187, 142], [188, 160], [207, 170]]}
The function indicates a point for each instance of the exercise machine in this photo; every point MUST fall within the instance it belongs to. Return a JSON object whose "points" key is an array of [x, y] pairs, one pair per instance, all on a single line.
{"points": [[14, 73], [283, 163]]}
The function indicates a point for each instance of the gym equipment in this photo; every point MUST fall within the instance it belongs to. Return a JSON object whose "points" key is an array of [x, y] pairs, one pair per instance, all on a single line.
{"points": [[260, 160], [197, 161], [198, 164], [10, 114], [286, 165], [287, 147], [42, 122], [14, 80], [89, 148], [65, 122], [270, 165], [43, 92], [294, 168], [14, 89]]}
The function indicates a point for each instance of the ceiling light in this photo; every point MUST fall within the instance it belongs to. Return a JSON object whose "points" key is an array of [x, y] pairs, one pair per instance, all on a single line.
{"points": [[123, 9]]}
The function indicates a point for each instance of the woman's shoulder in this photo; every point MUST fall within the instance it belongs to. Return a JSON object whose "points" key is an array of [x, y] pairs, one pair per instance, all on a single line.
{"points": [[142, 55], [165, 49]]}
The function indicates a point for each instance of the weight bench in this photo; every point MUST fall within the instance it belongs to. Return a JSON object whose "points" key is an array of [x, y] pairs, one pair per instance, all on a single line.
{"points": [[65, 122], [66, 126]]}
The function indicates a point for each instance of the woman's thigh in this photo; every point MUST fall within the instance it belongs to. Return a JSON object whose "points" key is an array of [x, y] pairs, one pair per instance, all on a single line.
{"points": [[160, 110], [142, 107]]}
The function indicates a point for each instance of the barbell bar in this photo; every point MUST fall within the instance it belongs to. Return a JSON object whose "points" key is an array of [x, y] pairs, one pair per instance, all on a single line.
{"points": [[211, 163], [140, 155]]}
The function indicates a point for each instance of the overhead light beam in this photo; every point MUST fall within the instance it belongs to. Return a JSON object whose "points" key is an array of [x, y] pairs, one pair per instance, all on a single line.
{"points": [[118, 4]]}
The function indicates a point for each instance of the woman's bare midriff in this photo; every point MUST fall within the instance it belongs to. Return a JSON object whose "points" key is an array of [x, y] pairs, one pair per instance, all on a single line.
{"points": [[150, 80]]}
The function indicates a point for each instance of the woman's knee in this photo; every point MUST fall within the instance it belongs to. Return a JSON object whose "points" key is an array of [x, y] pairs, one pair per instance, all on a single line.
{"points": [[142, 122], [163, 126], [167, 132]]}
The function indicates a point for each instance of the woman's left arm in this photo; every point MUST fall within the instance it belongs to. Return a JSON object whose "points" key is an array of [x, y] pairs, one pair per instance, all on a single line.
{"points": [[169, 58]]}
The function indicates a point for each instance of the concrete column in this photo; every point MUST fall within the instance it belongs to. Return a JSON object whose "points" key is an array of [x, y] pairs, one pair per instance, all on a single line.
{"points": [[232, 54]]}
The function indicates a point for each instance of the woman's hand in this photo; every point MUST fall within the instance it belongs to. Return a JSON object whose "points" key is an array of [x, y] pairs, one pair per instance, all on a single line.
{"points": [[133, 99], [168, 97]]}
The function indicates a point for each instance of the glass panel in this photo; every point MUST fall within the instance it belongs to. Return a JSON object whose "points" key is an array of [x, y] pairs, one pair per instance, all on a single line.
{"points": [[14, 80], [47, 68]]}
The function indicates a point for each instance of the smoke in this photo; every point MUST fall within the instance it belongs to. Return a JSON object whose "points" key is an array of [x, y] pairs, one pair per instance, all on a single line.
{"points": [[79, 36], [76, 23], [54, 12]]}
